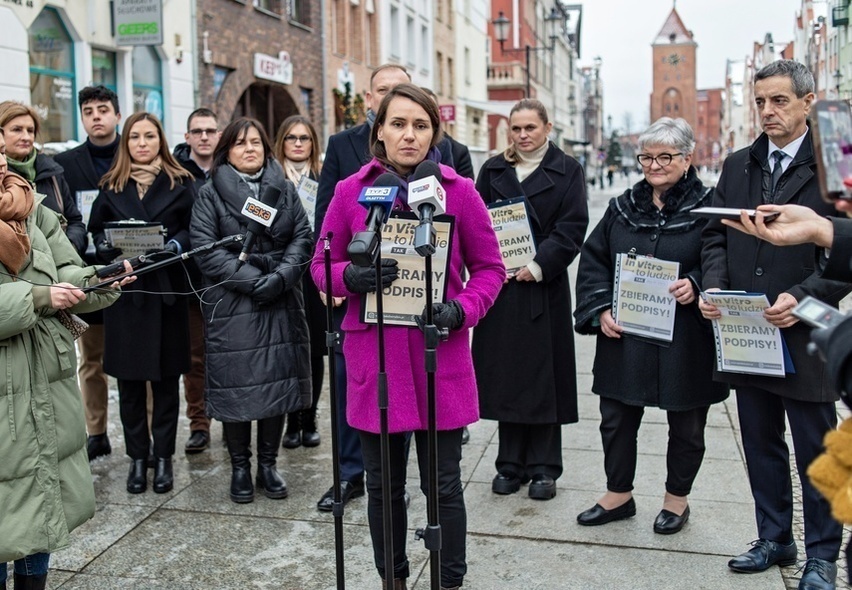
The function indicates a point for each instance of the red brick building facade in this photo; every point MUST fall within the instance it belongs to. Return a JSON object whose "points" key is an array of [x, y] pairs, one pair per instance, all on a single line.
{"points": [[674, 52], [260, 58]]}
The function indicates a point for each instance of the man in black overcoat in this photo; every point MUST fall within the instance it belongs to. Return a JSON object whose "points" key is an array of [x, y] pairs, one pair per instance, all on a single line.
{"points": [[84, 167], [778, 168]]}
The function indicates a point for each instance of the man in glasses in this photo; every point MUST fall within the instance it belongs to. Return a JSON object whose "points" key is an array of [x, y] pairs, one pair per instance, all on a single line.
{"points": [[196, 155], [778, 168]]}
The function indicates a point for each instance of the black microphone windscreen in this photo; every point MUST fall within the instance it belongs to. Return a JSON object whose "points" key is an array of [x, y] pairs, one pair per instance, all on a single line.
{"points": [[387, 179], [270, 194], [427, 168]]}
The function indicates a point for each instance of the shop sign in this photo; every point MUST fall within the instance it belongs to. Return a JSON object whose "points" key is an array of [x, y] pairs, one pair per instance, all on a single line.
{"points": [[448, 112], [278, 69], [138, 22]]}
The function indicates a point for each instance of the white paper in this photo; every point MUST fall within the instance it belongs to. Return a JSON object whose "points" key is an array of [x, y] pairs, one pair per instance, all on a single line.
{"points": [[642, 304], [134, 241], [307, 190], [514, 234]]}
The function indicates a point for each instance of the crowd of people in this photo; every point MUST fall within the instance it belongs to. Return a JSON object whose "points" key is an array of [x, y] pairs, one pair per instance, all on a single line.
{"points": [[235, 306]]}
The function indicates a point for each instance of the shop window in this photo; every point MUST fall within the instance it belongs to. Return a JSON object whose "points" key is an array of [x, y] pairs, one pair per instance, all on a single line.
{"points": [[52, 80], [104, 69], [147, 81]]}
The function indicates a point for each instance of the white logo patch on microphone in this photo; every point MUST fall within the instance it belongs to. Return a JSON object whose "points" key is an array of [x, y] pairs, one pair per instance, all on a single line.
{"points": [[259, 212]]}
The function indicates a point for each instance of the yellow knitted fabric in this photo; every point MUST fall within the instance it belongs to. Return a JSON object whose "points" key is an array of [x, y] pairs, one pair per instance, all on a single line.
{"points": [[831, 472]]}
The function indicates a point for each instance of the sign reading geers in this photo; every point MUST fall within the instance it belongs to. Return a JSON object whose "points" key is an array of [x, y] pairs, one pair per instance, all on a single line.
{"points": [[138, 22], [278, 69]]}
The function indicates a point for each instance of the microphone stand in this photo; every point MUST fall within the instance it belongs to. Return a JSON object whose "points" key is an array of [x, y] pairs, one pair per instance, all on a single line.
{"points": [[431, 535], [384, 434], [163, 263], [332, 340]]}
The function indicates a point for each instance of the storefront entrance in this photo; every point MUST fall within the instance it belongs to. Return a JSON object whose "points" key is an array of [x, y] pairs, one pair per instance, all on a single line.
{"points": [[268, 103]]}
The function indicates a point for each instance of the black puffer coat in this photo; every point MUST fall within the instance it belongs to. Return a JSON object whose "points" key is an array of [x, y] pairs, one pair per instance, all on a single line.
{"points": [[632, 370], [258, 357], [50, 181]]}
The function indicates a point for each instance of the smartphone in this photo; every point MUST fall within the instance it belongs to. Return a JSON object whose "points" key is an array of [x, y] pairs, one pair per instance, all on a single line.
{"points": [[817, 314], [831, 126], [730, 213]]}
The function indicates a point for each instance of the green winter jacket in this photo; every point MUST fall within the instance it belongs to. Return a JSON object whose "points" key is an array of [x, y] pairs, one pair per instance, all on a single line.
{"points": [[46, 487]]}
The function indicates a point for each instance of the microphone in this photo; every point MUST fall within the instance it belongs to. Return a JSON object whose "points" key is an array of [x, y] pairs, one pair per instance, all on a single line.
{"points": [[261, 214], [378, 199], [427, 197]]}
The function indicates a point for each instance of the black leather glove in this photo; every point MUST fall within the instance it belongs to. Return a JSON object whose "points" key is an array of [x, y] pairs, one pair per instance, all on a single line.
{"points": [[362, 279], [448, 315], [262, 262], [105, 253], [268, 288]]}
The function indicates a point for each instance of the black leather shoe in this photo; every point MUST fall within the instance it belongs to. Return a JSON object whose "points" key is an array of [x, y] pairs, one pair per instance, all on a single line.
{"points": [[505, 483], [669, 523], [137, 479], [270, 481], [597, 514], [764, 555], [819, 574], [348, 491], [29, 582], [465, 435], [163, 475], [292, 440], [310, 439], [542, 487], [242, 490], [199, 440], [98, 445]]}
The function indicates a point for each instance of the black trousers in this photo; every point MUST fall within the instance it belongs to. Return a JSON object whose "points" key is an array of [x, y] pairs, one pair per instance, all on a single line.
{"points": [[529, 449], [762, 426], [132, 398], [619, 429], [451, 510]]}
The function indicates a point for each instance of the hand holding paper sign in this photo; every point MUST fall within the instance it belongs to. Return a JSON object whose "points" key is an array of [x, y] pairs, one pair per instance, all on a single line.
{"points": [[707, 309], [608, 326], [780, 314], [683, 291]]}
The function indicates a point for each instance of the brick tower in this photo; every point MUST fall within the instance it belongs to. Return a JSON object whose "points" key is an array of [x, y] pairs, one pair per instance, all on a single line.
{"points": [[674, 93]]}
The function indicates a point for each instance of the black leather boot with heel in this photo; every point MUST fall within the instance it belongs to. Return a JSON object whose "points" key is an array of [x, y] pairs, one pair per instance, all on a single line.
{"points": [[268, 479], [238, 437], [293, 435], [310, 436], [30, 582]]}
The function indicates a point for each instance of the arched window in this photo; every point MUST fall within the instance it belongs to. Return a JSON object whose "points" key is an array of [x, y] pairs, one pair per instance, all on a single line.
{"points": [[147, 81], [52, 80], [672, 101]]}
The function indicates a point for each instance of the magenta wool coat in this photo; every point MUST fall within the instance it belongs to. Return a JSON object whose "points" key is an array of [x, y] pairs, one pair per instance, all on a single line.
{"points": [[475, 248]]}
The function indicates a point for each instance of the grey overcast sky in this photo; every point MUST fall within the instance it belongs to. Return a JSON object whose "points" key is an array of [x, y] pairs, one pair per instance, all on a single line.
{"points": [[621, 33]]}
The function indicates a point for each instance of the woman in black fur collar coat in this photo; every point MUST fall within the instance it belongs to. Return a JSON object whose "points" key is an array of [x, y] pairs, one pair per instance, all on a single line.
{"points": [[653, 218]]}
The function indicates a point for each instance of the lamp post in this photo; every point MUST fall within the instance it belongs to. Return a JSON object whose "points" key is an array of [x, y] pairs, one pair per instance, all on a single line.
{"points": [[501, 31]]}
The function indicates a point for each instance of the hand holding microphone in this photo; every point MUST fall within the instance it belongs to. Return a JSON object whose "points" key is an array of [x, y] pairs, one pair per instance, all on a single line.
{"points": [[261, 214], [378, 199]]}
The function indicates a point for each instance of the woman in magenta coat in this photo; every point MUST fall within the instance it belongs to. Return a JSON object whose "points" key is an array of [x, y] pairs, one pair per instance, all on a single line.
{"points": [[405, 133]]}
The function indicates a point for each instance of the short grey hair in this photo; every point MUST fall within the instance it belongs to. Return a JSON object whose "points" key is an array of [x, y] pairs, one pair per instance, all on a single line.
{"points": [[674, 133], [800, 77]]}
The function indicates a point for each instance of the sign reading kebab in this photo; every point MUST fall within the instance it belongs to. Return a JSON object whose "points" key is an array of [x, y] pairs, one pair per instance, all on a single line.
{"points": [[138, 22]]}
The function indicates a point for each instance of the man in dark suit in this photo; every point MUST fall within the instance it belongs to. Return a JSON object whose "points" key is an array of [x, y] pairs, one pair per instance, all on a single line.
{"points": [[84, 166], [778, 168], [345, 154]]}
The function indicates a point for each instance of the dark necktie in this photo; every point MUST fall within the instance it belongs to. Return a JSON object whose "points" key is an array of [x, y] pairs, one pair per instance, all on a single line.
{"points": [[777, 170]]}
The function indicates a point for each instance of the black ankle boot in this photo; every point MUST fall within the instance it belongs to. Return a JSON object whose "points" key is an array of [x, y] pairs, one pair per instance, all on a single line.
{"points": [[238, 436], [292, 437], [268, 479], [30, 582], [137, 479], [164, 478], [310, 436]]}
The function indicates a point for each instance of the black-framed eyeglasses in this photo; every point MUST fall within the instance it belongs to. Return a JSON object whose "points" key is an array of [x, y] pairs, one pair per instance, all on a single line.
{"points": [[662, 160], [299, 138], [200, 132]]}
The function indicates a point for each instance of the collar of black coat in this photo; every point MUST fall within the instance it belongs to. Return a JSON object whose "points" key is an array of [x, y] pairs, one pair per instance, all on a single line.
{"points": [[759, 151], [234, 192], [637, 210]]}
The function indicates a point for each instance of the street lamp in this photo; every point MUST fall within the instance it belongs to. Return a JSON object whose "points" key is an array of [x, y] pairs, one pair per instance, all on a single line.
{"points": [[501, 31]]}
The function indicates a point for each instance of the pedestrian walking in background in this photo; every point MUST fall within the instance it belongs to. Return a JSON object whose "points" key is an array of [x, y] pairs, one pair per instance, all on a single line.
{"points": [[258, 357], [653, 218], [146, 332], [297, 150], [523, 350]]}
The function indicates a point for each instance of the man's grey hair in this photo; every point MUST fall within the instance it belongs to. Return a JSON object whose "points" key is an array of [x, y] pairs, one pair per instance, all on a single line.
{"points": [[800, 77], [674, 133]]}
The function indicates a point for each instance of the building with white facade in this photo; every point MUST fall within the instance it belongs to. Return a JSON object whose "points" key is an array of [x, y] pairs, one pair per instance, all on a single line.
{"points": [[407, 38]]}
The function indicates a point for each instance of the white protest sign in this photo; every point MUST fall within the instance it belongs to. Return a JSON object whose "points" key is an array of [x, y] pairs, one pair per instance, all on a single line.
{"points": [[307, 190], [511, 223], [642, 304], [135, 238]]}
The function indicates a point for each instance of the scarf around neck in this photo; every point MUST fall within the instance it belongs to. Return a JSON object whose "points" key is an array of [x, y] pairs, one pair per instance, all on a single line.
{"points": [[144, 174], [25, 168], [527, 163], [295, 170], [252, 180], [16, 204]]}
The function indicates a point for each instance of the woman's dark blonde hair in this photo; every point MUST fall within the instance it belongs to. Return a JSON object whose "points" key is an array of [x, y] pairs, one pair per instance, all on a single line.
{"points": [[119, 173], [510, 154], [284, 130], [11, 109], [412, 93]]}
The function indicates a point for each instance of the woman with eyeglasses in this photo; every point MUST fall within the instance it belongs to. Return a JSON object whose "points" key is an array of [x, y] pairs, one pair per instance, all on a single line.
{"points": [[631, 373], [297, 151]]}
